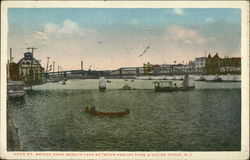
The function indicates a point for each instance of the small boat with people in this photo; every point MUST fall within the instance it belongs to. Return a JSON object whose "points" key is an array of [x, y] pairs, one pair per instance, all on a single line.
{"points": [[169, 86], [217, 79], [201, 78], [92, 111], [127, 87], [64, 82]]}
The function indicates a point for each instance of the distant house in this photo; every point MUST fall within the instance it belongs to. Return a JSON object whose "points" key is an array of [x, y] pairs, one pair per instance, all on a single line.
{"points": [[217, 65], [30, 69]]}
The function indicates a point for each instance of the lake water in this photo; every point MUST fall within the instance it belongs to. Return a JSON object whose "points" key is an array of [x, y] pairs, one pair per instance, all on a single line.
{"points": [[52, 117]]}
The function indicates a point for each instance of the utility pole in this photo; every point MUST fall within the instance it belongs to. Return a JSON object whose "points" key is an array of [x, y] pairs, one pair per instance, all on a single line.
{"points": [[8, 65], [10, 55], [32, 52], [53, 68], [58, 71], [82, 67], [47, 64]]}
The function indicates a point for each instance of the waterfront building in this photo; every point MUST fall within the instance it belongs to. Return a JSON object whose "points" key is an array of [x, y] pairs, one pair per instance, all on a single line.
{"points": [[181, 68], [200, 63], [164, 69], [172, 69], [222, 66], [30, 69], [15, 87], [192, 66], [13, 71]]}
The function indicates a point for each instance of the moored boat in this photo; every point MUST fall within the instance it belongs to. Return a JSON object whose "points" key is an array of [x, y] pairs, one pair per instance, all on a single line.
{"points": [[102, 83], [15, 89], [92, 111]]}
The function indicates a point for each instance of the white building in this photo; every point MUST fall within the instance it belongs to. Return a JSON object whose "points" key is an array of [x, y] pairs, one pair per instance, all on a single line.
{"points": [[30, 69], [200, 63]]}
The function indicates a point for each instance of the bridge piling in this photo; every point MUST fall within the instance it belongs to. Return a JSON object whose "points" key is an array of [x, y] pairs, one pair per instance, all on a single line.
{"points": [[120, 73]]}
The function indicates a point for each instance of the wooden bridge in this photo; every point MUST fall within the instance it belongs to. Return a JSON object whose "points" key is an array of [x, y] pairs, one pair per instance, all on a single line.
{"points": [[124, 72]]}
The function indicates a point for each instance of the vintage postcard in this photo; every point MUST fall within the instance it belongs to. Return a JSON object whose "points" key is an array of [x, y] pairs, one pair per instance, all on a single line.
{"points": [[125, 80]]}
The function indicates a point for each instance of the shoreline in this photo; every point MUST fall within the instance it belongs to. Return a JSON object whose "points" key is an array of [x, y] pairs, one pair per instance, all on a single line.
{"points": [[13, 141]]}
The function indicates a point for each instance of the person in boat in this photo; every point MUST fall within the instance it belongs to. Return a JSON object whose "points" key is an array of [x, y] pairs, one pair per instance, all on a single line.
{"points": [[126, 87], [64, 82], [92, 108], [175, 85], [158, 84], [127, 110]]}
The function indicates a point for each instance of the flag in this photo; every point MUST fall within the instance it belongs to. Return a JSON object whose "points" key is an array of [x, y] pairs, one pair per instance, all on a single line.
{"points": [[50, 67]]}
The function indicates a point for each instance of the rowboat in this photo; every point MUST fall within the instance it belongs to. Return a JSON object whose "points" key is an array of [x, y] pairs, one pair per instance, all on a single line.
{"points": [[106, 114]]}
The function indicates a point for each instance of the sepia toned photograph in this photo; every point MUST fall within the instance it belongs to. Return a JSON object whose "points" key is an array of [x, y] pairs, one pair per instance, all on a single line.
{"points": [[128, 82]]}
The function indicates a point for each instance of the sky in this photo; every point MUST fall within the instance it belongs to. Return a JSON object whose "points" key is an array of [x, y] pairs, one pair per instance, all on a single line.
{"points": [[110, 38]]}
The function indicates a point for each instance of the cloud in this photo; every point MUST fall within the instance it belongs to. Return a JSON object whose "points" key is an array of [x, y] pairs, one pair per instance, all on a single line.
{"points": [[41, 35], [178, 11], [134, 21], [184, 35], [67, 27], [209, 19]]}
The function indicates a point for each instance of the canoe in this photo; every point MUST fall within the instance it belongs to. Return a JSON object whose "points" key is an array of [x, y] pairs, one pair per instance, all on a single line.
{"points": [[106, 114]]}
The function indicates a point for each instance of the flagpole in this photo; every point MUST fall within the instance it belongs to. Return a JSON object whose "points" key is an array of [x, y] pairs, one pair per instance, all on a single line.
{"points": [[47, 64]]}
